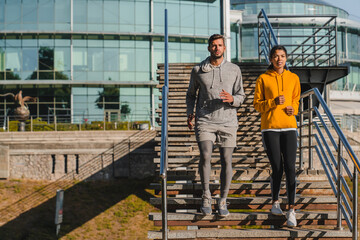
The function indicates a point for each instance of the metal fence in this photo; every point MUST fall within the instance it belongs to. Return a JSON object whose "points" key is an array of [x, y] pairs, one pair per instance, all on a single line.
{"points": [[77, 123]]}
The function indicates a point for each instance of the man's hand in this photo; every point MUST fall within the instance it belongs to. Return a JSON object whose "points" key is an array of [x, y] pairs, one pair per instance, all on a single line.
{"points": [[226, 97], [289, 110], [189, 121], [280, 100]]}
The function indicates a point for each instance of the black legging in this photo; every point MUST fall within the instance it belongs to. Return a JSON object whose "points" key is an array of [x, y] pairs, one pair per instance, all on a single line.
{"points": [[281, 151]]}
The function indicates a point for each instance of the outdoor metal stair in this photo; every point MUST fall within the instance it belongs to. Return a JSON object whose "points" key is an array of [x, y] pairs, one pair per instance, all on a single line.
{"points": [[250, 193]]}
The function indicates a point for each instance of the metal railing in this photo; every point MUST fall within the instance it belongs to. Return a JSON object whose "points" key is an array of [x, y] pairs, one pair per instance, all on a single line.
{"points": [[332, 157], [315, 45], [164, 138], [78, 122]]}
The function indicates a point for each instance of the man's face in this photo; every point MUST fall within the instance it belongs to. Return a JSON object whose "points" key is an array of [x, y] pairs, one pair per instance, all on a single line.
{"points": [[217, 48]]}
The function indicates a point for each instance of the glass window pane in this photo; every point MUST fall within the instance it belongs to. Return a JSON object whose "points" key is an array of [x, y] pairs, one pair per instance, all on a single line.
{"points": [[127, 16], [29, 59], [95, 12], [111, 12], [80, 59], [13, 11], [62, 11], [127, 60], [46, 11], [111, 59], [95, 59], [62, 59], [142, 16], [13, 59], [29, 11], [46, 58], [80, 13]]}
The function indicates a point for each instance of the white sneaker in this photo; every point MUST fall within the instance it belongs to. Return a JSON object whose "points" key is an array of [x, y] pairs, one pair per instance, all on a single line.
{"points": [[291, 218], [276, 210]]}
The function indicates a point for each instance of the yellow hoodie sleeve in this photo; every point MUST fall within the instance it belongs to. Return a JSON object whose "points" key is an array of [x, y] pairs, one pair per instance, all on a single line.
{"points": [[260, 103], [296, 96]]}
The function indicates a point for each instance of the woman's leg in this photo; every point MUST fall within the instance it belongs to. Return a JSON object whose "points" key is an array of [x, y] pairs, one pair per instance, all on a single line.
{"points": [[272, 144], [288, 141]]}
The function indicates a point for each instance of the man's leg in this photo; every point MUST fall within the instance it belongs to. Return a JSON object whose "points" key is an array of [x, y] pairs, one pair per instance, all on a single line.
{"points": [[226, 170], [206, 148]]}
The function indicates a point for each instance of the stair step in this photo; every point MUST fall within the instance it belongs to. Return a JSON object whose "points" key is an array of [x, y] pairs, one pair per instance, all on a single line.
{"points": [[245, 218], [283, 233], [258, 202]]}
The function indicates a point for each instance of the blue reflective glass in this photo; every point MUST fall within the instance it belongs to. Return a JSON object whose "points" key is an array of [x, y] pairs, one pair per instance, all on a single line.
{"points": [[95, 59], [111, 59], [142, 60], [80, 59], [62, 59], [142, 16], [111, 11], [62, 14], [29, 11], [187, 18], [2, 11], [95, 11], [29, 59], [46, 11], [80, 13], [13, 11], [127, 60], [12, 59], [127, 16]]}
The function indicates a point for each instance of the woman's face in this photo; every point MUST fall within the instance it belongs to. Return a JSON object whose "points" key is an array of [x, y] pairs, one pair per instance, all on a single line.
{"points": [[278, 59]]}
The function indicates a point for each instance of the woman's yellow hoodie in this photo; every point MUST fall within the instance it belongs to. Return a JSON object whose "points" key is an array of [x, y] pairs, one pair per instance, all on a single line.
{"points": [[270, 85]]}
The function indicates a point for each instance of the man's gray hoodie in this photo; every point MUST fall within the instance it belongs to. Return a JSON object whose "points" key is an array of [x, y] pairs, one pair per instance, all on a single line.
{"points": [[211, 80]]}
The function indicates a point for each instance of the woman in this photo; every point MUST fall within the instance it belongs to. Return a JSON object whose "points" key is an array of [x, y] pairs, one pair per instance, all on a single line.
{"points": [[277, 95]]}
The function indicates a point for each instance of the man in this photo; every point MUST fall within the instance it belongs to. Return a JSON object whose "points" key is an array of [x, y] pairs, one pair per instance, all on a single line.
{"points": [[220, 93]]}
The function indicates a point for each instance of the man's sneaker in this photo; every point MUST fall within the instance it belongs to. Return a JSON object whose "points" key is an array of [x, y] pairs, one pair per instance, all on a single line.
{"points": [[291, 218], [276, 210], [205, 208], [222, 207]]}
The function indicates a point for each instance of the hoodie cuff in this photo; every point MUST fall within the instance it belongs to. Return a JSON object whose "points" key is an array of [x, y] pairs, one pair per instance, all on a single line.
{"points": [[272, 103], [235, 103]]}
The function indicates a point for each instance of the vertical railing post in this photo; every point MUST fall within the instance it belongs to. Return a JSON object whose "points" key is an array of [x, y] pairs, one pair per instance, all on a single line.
{"points": [[31, 123], [164, 138], [339, 188], [55, 122], [355, 204], [336, 52], [310, 132], [301, 149], [8, 124]]}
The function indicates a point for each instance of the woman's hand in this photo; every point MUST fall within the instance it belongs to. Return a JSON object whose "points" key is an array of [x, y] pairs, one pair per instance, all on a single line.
{"points": [[289, 110], [280, 100]]}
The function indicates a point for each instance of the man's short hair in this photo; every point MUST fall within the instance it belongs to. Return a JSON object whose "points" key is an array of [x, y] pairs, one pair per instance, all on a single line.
{"points": [[214, 37]]}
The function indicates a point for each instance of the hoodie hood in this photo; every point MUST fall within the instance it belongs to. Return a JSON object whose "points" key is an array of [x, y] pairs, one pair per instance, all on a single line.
{"points": [[206, 67], [279, 78]]}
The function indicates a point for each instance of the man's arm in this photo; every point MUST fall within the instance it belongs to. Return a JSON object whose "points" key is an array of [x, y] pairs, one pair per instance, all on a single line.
{"points": [[238, 91], [191, 98]]}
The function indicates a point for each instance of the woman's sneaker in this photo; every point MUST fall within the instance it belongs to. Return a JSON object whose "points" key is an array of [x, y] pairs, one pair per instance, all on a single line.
{"points": [[276, 210], [222, 207], [291, 218], [205, 208]]}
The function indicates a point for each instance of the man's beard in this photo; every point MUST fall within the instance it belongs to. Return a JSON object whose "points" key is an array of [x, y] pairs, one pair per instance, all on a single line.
{"points": [[213, 56]]}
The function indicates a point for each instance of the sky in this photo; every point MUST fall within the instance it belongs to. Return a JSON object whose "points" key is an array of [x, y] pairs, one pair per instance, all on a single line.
{"points": [[351, 6]]}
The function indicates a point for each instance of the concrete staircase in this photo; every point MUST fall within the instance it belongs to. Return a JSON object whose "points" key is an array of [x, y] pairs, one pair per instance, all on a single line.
{"points": [[250, 194]]}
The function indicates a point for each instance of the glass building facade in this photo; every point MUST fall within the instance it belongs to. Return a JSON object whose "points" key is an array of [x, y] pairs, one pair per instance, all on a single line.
{"points": [[348, 35], [89, 58]]}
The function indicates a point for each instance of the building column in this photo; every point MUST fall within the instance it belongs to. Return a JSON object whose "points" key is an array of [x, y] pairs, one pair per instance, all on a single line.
{"points": [[226, 27]]}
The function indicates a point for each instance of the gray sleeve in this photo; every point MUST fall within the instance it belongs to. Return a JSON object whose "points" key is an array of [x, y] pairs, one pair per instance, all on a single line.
{"points": [[238, 90], [191, 92]]}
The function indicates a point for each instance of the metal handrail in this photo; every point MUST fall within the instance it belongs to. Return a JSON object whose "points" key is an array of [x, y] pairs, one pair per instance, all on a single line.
{"points": [[332, 165], [311, 51], [164, 138]]}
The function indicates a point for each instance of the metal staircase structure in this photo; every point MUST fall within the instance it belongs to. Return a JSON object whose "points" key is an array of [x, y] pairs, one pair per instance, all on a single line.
{"points": [[326, 206]]}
